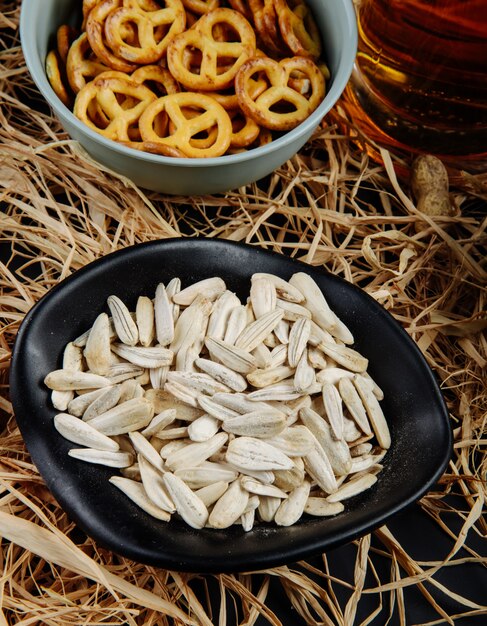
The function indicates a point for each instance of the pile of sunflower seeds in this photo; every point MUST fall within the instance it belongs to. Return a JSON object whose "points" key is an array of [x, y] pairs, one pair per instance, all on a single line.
{"points": [[220, 412]]}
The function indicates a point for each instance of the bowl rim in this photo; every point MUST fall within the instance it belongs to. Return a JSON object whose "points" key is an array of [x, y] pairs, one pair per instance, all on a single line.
{"points": [[38, 75], [263, 560]]}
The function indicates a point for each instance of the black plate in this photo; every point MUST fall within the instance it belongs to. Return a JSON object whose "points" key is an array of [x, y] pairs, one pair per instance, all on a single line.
{"points": [[413, 405]]}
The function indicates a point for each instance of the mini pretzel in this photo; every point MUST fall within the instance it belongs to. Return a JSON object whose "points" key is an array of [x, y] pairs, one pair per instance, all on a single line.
{"points": [[244, 130], [212, 76], [205, 139], [201, 7], [55, 78], [213, 114], [262, 109], [79, 66], [265, 21], [110, 91], [298, 28], [64, 38], [95, 24], [156, 78], [151, 42]]}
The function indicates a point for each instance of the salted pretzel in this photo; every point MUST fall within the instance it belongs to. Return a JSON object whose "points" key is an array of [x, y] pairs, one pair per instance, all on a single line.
{"points": [[65, 35], [200, 7], [158, 79], [265, 21], [220, 59], [298, 29], [242, 7], [244, 130], [263, 108], [80, 65], [95, 30], [204, 139], [155, 29], [113, 91], [210, 114], [56, 79]]}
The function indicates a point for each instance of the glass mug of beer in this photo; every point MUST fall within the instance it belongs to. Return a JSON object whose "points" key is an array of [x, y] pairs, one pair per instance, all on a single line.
{"points": [[419, 83]]}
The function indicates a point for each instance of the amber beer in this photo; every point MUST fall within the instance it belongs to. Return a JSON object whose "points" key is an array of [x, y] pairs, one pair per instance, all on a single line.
{"points": [[420, 79]]}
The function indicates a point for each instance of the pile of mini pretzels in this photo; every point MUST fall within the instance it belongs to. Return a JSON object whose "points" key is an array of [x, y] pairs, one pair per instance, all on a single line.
{"points": [[190, 78]]}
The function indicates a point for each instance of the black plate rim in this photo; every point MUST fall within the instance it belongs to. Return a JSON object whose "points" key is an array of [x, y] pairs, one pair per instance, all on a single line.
{"points": [[264, 560]]}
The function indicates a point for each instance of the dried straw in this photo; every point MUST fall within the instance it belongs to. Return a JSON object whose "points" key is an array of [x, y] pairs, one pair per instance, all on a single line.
{"points": [[329, 206]]}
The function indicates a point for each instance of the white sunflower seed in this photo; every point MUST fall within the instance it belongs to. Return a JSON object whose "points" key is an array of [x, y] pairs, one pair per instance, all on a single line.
{"points": [[317, 359], [188, 505], [220, 314], [237, 321], [130, 389], [164, 321], [97, 351], [319, 468], [354, 404], [293, 441], [123, 371], [304, 376], [123, 418], [239, 402], [234, 358], [183, 393], [75, 430], [229, 507], [109, 458], [222, 374], [79, 404], [72, 380], [158, 376], [341, 331], [125, 327], [159, 422], [353, 487], [374, 412], [268, 506], [332, 375], [180, 432], [291, 509], [201, 476], [278, 356], [214, 408], [292, 311], [144, 448], [282, 391], [256, 454], [320, 507], [144, 318], [376, 390], [210, 287], [298, 338], [209, 494], [287, 480], [347, 357], [361, 449], [136, 492], [258, 424], [262, 296], [284, 289], [106, 400], [365, 462], [155, 356], [173, 287], [262, 356], [257, 331], [172, 446], [256, 487], [332, 403], [189, 324], [315, 300], [197, 381], [203, 428], [72, 360], [337, 451], [262, 378], [162, 400], [154, 485], [195, 453]]}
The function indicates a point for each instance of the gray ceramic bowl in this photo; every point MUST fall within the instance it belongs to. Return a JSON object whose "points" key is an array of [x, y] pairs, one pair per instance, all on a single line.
{"points": [[336, 20]]}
